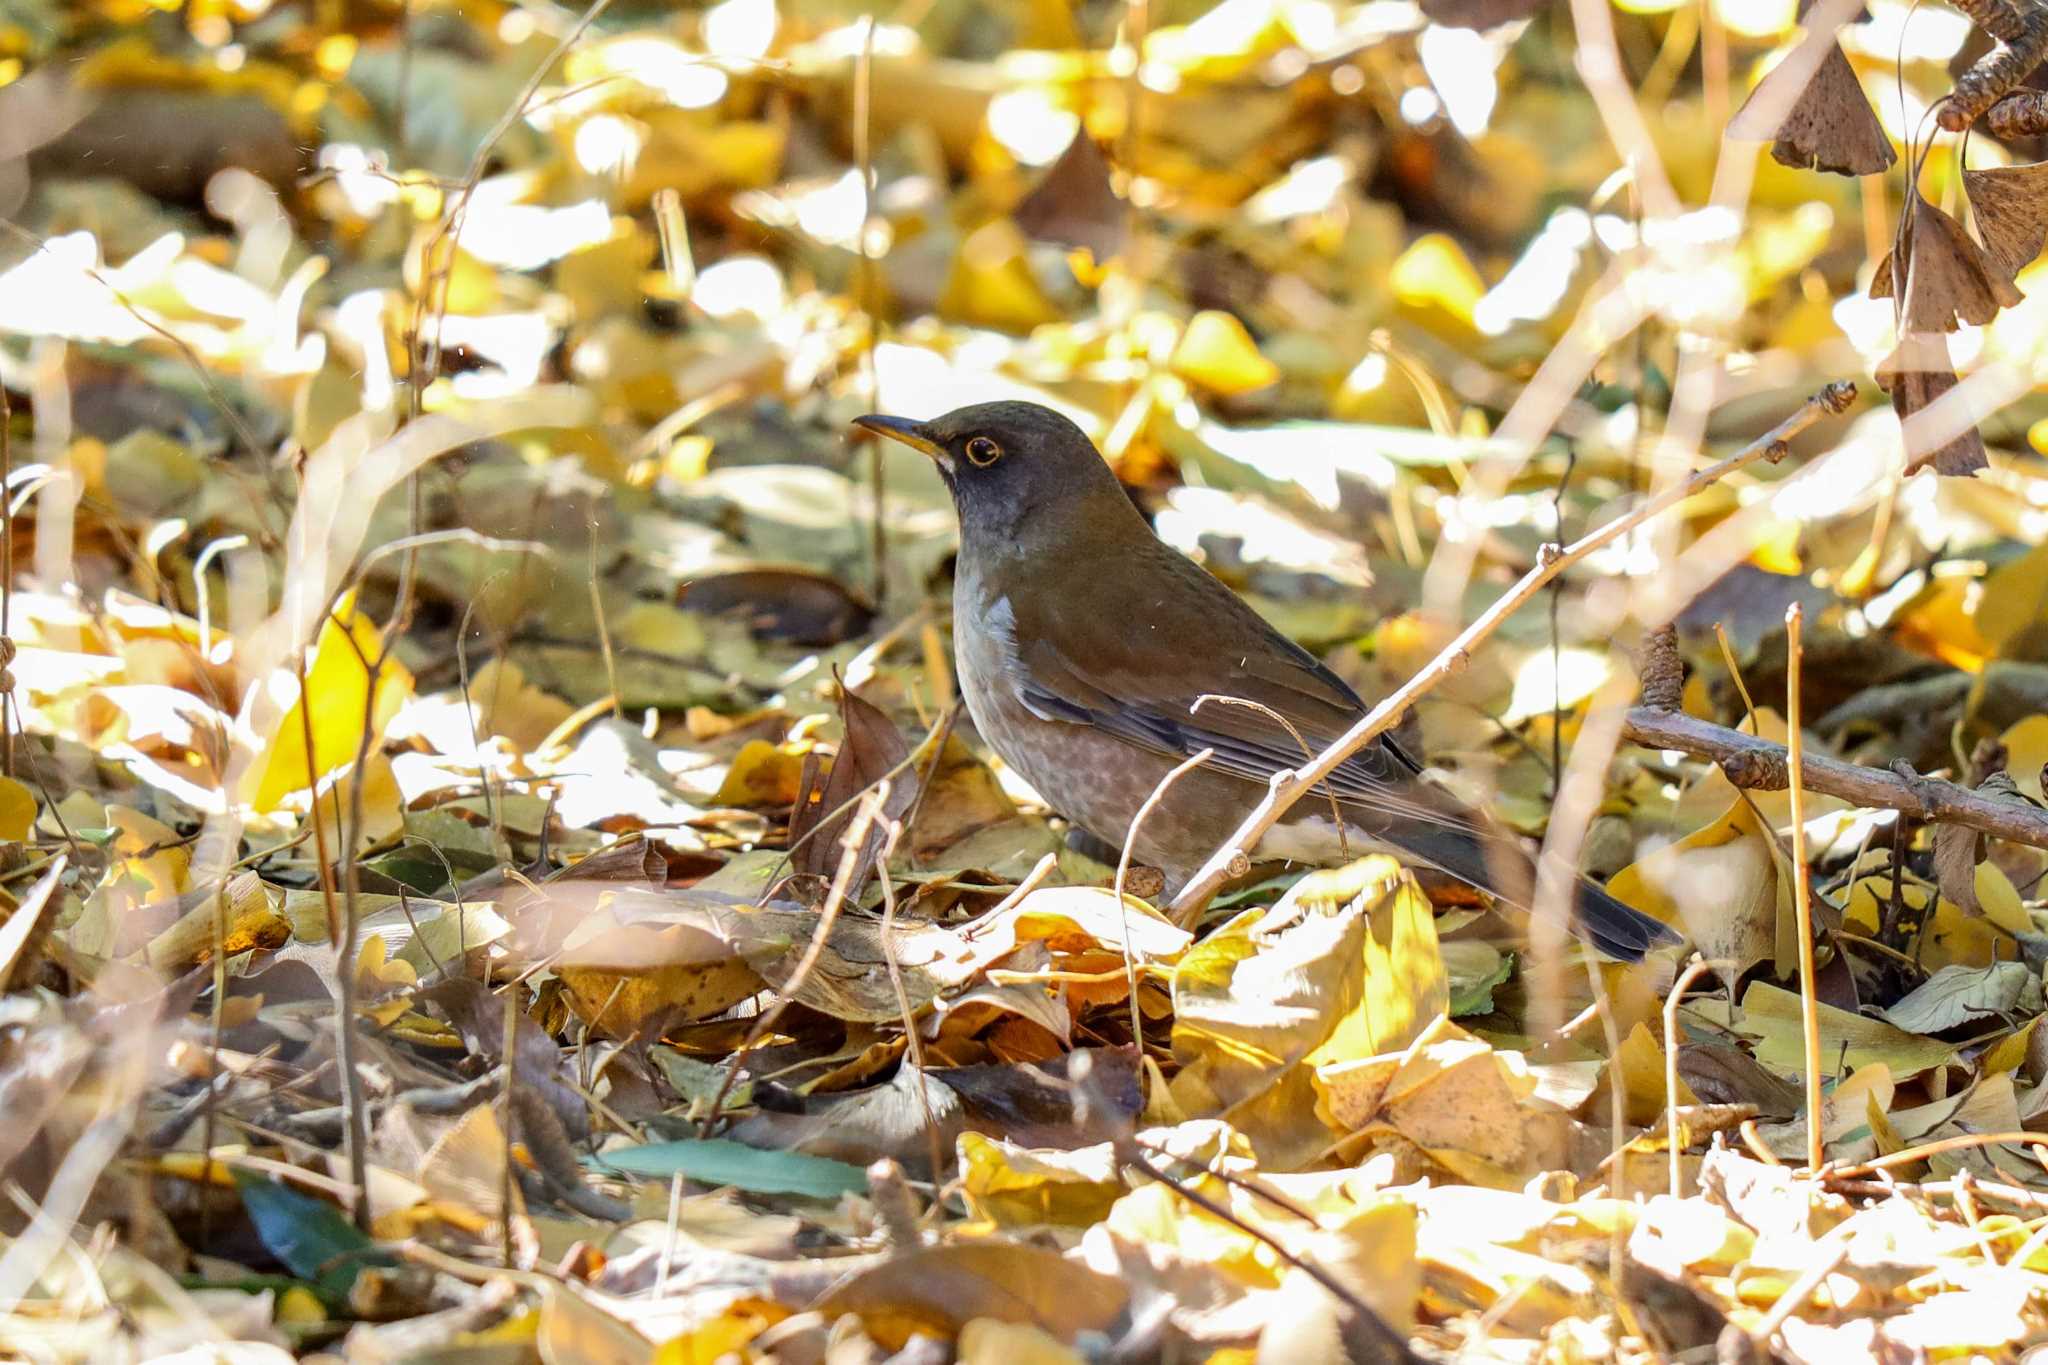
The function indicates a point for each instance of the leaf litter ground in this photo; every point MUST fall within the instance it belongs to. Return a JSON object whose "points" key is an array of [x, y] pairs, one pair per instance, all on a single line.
{"points": [[446, 605]]}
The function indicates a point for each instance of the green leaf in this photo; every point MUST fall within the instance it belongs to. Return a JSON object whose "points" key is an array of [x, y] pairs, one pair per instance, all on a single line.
{"points": [[1474, 974], [310, 1236], [716, 1161], [412, 867]]}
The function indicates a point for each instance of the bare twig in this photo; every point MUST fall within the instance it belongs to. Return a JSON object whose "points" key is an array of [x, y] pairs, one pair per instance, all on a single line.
{"points": [[913, 1046], [1678, 990], [864, 159], [2032, 1200], [1802, 894], [6, 572], [864, 817], [2023, 113], [1123, 867], [1831, 1252], [1960, 1142], [1289, 787], [1761, 764], [1388, 1344]]}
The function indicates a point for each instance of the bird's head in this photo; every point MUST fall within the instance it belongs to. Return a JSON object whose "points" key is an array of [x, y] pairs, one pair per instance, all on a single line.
{"points": [[1010, 465]]}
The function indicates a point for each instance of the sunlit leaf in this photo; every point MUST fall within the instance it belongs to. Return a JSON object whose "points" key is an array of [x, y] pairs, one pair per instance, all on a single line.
{"points": [[337, 704]]}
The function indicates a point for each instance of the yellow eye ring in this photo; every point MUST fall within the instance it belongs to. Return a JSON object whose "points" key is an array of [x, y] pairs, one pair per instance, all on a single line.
{"points": [[983, 452]]}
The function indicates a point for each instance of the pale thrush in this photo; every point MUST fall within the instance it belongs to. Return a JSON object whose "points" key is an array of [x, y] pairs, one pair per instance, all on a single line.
{"points": [[1083, 642]]}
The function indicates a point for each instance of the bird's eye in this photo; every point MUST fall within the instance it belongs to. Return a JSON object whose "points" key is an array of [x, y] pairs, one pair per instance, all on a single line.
{"points": [[983, 452]]}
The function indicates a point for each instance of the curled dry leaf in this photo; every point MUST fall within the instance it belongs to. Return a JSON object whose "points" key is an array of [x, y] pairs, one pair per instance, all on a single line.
{"points": [[873, 749], [1940, 274], [2023, 113]]}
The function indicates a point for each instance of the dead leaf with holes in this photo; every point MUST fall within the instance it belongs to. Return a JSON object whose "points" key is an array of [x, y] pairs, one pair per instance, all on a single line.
{"points": [[1831, 126], [2010, 205]]}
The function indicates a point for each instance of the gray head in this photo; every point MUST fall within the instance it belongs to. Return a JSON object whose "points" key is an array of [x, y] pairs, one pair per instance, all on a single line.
{"points": [[1012, 467]]}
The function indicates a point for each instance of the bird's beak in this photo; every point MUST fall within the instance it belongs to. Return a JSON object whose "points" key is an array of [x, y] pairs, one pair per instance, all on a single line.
{"points": [[912, 434]]}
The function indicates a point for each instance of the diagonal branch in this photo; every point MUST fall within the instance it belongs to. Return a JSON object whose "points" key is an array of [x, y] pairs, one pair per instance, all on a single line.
{"points": [[1759, 765], [1289, 787]]}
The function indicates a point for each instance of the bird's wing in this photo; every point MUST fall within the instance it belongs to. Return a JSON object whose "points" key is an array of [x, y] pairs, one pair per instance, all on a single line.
{"points": [[1144, 681]]}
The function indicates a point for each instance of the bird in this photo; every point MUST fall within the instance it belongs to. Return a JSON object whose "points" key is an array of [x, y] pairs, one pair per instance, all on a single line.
{"points": [[1091, 655]]}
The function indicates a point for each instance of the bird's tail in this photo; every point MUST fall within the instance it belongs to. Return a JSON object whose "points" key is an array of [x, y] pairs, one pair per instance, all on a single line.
{"points": [[1498, 867]]}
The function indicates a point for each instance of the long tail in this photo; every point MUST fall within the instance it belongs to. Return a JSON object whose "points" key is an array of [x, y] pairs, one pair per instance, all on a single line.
{"points": [[1501, 869]]}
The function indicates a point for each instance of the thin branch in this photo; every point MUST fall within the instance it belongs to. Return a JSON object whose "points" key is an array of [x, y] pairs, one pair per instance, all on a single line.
{"points": [[1671, 1002], [1760, 765], [1289, 787], [1123, 868], [913, 1045], [1385, 1341], [864, 816], [1959, 1142], [1802, 895]]}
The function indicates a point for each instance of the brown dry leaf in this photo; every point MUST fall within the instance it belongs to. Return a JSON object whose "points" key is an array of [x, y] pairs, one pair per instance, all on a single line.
{"points": [[1467, 1107], [941, 1289], [1845, 1117], [962, 796], [463, 1172], [872, 749], [1916, 373], [1074, 205], [2010, 205], [1947, 277], [1831, 126], [1473, 1110], [1479, 14]]}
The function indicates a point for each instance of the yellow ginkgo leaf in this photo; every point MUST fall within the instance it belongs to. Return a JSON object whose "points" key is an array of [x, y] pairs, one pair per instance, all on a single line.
{"points": [[991, 283], [338, 691], [1217, 353], [17, 810], [1434, 272], [1720, 883], [2026, 753]]}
